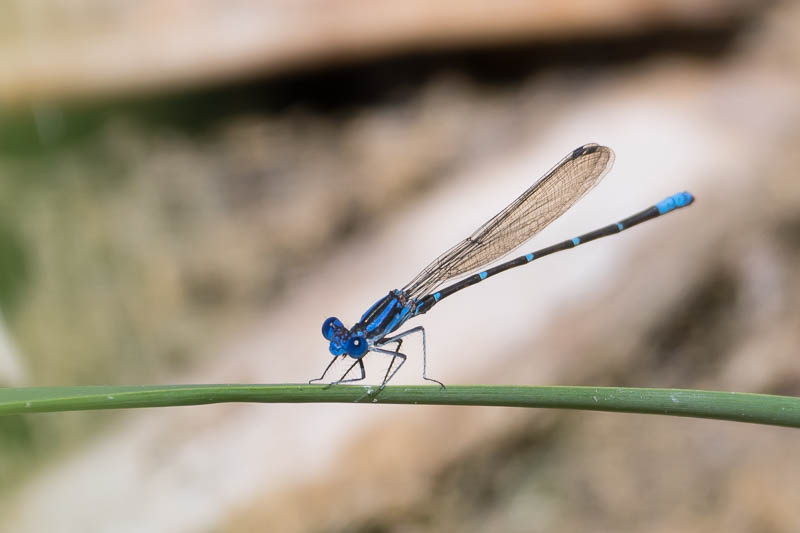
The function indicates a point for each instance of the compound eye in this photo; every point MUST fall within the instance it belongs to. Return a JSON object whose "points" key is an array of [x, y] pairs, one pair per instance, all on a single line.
{"points": [[330, 325], [356, 346]]}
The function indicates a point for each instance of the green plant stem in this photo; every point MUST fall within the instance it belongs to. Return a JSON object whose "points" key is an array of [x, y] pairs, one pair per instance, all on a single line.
{"points": [[741, 407]]}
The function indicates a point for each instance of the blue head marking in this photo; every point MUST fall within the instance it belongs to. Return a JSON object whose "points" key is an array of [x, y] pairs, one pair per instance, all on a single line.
{"points": [[343, 341], [334, 331]]}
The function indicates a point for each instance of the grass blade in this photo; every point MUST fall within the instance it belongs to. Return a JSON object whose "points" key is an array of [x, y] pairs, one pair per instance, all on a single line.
{"points": [[741, 407]]}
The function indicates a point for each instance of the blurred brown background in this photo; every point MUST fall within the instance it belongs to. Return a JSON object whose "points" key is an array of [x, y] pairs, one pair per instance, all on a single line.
{"points": [[189, 188]]}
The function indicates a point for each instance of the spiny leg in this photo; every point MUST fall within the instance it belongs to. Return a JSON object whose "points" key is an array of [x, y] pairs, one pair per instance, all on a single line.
{"points": [[397, 338], [360, 364], [394, 355], [396, 350], [425, 361], [310, 381]]}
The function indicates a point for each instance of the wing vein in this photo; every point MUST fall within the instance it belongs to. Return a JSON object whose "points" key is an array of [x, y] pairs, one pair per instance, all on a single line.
{"points": [[544, 201]]}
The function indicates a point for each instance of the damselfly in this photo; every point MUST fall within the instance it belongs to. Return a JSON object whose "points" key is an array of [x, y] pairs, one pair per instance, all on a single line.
{"points": [[542, 203]]}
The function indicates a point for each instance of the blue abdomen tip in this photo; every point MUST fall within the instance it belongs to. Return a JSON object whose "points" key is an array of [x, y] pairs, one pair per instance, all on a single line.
{"points": [[675, 201]]}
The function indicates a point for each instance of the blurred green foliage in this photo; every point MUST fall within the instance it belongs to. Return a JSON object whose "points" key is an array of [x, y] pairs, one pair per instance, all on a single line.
{"points": [[14, 268], [121, 259]]}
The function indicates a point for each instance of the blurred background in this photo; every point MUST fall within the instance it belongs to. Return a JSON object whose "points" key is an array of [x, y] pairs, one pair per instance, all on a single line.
{"points": [[189, 188]]}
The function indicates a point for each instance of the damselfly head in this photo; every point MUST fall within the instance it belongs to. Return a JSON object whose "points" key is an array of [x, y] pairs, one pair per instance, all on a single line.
{"points": [[344, 341]]}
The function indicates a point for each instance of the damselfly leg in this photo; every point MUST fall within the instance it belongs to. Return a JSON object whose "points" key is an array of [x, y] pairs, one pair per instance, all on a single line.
{"points": [[397, 338]]}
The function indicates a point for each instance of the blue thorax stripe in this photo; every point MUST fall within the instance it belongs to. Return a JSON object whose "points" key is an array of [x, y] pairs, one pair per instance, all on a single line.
{"points": [[385, 309], [399, 318], [371, 309]]}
